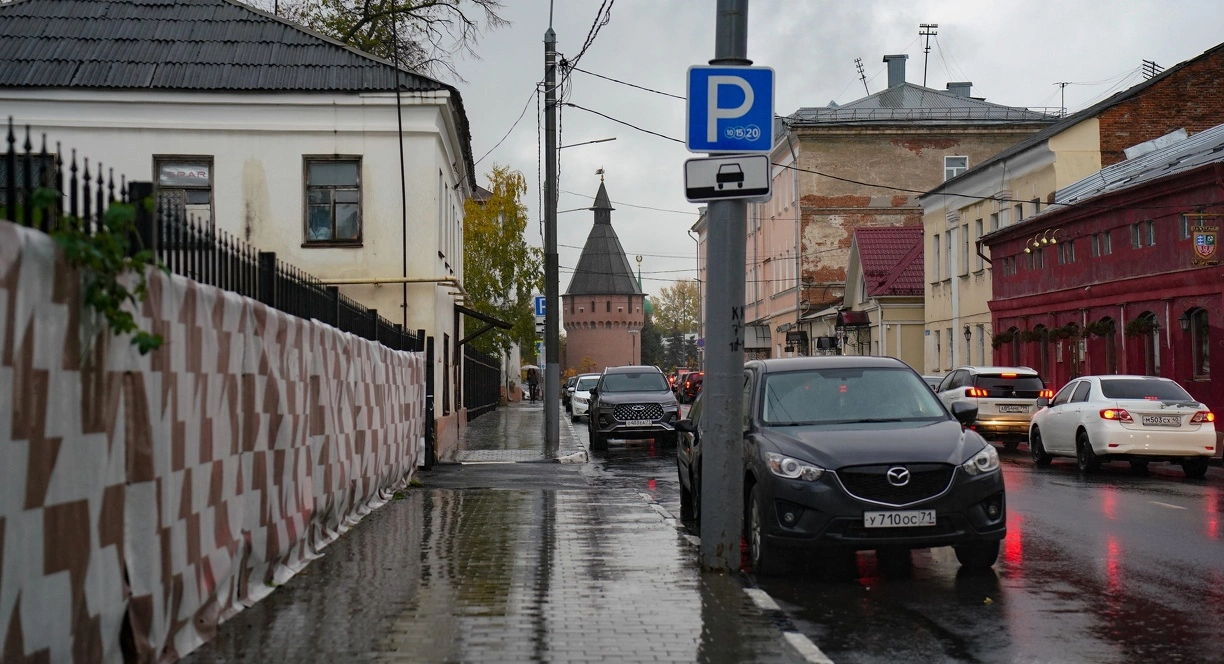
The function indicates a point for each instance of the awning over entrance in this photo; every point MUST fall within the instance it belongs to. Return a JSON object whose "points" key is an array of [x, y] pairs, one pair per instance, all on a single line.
{"points": [[850, 318], [757, 336]]}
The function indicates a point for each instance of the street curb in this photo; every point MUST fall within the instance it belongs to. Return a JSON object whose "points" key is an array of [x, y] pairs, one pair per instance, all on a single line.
{"points": [[808, 650]]}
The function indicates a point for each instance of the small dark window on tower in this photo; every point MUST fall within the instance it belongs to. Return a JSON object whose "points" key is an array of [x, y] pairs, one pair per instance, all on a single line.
{"points": [[609, 303]]}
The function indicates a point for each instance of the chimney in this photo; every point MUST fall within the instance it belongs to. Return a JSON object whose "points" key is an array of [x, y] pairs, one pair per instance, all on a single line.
{"points": [[896, 69], [960, 89]]}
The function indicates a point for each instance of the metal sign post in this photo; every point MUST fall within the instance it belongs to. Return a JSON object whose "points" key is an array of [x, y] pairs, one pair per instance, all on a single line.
{"points": [[724, 123]]}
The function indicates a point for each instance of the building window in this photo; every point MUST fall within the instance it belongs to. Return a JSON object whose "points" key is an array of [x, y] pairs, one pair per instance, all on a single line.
{"points": [[1066, 252], [1096, 245], [994, 222], [938, 352], [1106, 243], [1200, 343], [1143, 234], [964, 262], [951, 347], [1019, 209], [1040, 254], [609, 306], [187, 183], [1184, 233], [954, 166], [937, 263], [948, 254], [333, 200], [1150, 231], [1036, 205]]}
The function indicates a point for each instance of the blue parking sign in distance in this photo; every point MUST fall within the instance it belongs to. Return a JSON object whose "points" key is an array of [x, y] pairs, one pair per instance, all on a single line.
{"points": [[539, 305], [730, 109]]}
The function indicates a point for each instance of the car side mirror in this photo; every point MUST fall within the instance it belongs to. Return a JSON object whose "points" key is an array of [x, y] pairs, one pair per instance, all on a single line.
{"points": [[594, 391], [1043, 402], [686, 425], [964, 412]]}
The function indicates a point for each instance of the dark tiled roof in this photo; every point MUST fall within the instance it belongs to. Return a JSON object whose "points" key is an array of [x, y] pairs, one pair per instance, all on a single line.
{"points": [[912, 103], [891, 259], [194, 45], [603, 268], [1072, 120]]}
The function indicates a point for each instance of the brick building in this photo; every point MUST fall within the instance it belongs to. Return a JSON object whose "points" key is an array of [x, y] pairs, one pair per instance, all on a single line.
{"points": [[603, 305], [1121, 274], [839, 168]]}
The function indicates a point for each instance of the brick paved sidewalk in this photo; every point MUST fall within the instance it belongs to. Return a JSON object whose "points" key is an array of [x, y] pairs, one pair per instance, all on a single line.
{"points": [[522, 575], [515, 432]]}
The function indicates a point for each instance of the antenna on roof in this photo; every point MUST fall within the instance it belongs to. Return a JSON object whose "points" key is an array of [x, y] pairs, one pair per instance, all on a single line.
{"points": [[858, 63], [1151, 69], [926, 30]]}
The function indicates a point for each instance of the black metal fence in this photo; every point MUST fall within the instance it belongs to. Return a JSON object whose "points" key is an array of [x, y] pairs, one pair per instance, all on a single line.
{"points": [[185, 245], [481, 382]]}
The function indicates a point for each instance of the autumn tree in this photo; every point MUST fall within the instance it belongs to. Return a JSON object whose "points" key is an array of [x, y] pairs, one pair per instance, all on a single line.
{"points": [[421, 35], [501, 272], [678, 307]]}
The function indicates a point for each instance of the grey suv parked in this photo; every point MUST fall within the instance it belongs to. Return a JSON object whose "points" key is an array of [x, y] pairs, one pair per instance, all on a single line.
{"points": [[1006, 398], [632, 402]]}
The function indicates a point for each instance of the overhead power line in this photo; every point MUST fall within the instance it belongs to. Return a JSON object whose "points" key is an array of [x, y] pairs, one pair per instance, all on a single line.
{"points": [[622, 122], [534, 93]]}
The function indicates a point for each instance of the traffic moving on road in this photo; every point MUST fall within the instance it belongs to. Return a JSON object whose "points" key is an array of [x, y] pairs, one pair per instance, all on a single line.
{"points": [[1006, 398]]}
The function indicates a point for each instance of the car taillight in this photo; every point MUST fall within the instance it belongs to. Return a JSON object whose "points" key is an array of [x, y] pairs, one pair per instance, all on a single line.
{"points": [[1048, 394], [1116, 414], [1203, 416], [975, 392]]}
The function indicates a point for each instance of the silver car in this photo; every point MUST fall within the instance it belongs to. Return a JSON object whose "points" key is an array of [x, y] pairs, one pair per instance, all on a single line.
{"points": [[1006, 398]]}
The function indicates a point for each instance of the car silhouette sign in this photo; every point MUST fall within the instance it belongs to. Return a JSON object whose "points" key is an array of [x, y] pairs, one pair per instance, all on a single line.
{"points": [[721, 178]]}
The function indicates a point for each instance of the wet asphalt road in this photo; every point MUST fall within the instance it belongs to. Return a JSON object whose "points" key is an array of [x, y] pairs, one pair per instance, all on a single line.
{"points": [[1105, 568]]}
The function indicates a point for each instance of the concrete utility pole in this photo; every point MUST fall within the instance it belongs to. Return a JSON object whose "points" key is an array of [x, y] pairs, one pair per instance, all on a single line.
{"points": [[926, 30], [552, 308], [722, 465]]}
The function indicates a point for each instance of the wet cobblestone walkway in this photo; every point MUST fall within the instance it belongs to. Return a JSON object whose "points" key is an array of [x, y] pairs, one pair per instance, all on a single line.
{"points": [[520, 575]]}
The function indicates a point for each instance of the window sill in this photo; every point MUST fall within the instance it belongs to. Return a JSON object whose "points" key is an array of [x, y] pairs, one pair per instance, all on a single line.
{"points": [[979, 272], [332, 244]]}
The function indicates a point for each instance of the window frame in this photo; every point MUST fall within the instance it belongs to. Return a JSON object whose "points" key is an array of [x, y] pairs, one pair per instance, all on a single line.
{"points": [[1200, 344], [951, 171], [159, 159], [307, 160]]}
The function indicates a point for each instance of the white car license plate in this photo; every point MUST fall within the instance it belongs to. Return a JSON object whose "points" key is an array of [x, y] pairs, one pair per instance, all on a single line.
{"points": [[1013, 409], [1162, 420], [639, 423], [899, 519]]}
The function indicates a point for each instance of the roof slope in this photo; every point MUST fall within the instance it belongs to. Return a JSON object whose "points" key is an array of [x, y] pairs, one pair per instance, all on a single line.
{"points": [[912, 103], [1072, 120], [194, 45], [891, 258], [603, 268]]}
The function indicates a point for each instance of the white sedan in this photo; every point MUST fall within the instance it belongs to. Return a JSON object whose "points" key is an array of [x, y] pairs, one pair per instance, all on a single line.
{"points": [[580, 403], [1139, 419]]}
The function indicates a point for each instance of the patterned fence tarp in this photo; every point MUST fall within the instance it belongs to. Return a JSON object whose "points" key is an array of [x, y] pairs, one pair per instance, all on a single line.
{"points": [[145, 499]]}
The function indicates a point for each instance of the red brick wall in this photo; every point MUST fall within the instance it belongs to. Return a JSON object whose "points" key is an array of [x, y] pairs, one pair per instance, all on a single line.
{"points": [[602, 336], [1191, 97]]}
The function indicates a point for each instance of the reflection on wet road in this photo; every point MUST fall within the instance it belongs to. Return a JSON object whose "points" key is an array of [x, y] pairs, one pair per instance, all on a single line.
{"points": [[1110, 567]]}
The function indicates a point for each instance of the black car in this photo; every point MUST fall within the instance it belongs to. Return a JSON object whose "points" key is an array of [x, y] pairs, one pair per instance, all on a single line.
{"points": [[688, 463], [567, 391], [690, 387], [632, 402], [852, 453]]}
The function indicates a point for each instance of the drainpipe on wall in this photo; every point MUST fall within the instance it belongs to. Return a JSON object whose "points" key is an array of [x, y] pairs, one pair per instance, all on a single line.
{"points": [[798, 221]]}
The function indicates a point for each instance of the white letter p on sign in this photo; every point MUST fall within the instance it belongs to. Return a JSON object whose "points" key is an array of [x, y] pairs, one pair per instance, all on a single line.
{"points": [[715, 113]]}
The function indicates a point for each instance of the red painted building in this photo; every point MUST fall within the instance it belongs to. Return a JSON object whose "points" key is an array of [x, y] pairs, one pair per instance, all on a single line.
{"points": [[1108, 279]]}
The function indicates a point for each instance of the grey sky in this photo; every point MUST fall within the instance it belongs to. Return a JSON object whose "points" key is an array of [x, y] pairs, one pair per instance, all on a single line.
{"points": [[1012, 50]]}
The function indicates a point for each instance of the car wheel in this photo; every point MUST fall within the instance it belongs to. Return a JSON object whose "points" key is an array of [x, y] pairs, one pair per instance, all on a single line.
{"points": [[575, 418], [977, 555], [1037, 449], [1196, 468], [686, 497], [766, 560], [1011, 445], [1085, 458], [1139, 468]]}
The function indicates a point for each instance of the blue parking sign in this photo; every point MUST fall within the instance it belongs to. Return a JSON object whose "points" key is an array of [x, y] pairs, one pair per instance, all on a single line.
{"points": [[539, 305], [730, 109]]}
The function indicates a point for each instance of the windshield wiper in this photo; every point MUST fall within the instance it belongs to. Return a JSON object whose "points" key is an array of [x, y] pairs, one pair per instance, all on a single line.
{"points": [[868, 420]]}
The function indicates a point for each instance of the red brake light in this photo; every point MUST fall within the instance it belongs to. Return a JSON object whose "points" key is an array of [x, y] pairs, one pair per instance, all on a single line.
{"points": [[975, 392], [1008, 375], [1048, 394], [1203, 416], [1118, 414]]}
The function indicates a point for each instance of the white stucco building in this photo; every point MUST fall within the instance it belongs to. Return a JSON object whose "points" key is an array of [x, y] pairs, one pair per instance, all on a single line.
{"points": [[344, 165]]}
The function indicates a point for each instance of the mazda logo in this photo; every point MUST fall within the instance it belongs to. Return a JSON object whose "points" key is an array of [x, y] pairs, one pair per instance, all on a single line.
{"points": [[898, 476]]}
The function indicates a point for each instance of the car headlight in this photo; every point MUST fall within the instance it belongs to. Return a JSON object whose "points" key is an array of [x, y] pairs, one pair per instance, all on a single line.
{"points": [[983, 462], [580, 399], [792, 469]]}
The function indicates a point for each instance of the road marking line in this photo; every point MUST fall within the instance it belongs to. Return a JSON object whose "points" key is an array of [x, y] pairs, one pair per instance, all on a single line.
{"points": [[806, 648], [762, 599], [1176, 507]]}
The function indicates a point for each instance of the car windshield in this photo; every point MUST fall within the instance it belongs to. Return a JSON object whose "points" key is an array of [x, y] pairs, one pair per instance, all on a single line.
{"points": [[636, 381], [846, 395], [585, 384], [1142, 388]]}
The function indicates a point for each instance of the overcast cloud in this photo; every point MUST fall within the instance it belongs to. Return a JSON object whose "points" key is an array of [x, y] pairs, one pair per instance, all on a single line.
{"points": [[1012, 50]]}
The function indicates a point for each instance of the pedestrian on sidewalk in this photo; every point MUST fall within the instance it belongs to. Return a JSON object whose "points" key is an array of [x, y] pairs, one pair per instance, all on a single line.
{"points": [[533, 379]]}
